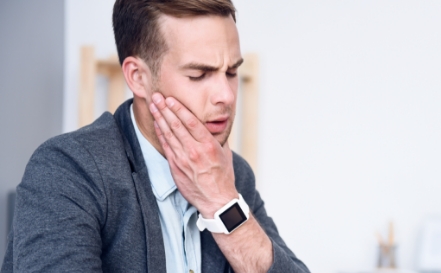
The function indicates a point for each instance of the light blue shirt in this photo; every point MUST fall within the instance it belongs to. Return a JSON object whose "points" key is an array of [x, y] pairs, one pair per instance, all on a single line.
{"points": [[178, 218]]}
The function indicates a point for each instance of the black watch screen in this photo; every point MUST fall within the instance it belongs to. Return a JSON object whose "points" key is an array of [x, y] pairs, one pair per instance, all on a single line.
{"points": [[233, 217]]}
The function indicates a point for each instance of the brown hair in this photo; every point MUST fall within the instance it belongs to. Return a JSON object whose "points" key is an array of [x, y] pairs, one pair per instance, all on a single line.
{"points": [[136, 27]]}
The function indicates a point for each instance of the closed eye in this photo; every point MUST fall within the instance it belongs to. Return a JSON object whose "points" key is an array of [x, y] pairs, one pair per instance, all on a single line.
{"points": [[231, 75], [197, 78]]}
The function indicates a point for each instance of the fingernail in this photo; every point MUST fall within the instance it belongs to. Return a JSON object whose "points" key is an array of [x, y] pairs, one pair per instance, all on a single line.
{"points": [[156, 98], [153, 108], [169, 102]]}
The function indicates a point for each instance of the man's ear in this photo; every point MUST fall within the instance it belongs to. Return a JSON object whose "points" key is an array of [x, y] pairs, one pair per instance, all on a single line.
{"points": [[138, 76]]}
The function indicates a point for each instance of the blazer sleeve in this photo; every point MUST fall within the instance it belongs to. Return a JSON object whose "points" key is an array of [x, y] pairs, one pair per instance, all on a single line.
{"points": [[60, 209], [284, 259]]}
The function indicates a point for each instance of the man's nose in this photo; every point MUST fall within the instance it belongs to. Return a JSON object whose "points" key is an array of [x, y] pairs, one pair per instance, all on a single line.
{"points": [[224, 91]]}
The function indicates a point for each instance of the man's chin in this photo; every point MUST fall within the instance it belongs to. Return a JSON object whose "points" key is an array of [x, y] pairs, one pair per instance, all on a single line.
{"points": [[222, 143], [222, 138]]}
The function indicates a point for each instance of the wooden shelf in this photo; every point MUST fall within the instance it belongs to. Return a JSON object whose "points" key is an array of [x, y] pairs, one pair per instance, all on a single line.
{"points": [[90, 68]]}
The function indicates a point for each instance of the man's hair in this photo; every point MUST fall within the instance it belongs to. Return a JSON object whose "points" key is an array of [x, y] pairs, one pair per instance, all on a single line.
{"points": [[137, 31]]}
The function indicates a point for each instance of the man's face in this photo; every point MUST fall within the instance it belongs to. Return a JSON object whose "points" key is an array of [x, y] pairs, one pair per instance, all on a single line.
{"points": [[200, 69]]}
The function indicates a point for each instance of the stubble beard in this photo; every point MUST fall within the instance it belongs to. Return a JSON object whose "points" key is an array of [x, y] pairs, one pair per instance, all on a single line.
{"points": [[227, 133]]}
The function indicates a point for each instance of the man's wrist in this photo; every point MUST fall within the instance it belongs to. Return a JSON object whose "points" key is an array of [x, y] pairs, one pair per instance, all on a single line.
{"points": [[207, 210], [227, 219]]}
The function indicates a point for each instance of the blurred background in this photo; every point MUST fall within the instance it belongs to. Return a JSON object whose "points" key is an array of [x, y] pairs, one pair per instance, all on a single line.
{"points": [[349, 113]]}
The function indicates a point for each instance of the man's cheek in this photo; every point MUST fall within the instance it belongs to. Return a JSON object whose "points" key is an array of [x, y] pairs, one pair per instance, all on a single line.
{"points": [[190, 103]]}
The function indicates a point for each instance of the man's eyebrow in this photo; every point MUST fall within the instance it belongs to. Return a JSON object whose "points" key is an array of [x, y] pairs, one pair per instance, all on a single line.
{"points": [[209, 68], [237, 64]]}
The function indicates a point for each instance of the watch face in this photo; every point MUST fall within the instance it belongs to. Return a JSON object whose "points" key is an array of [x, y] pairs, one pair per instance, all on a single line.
{"points": [[233, 217]]}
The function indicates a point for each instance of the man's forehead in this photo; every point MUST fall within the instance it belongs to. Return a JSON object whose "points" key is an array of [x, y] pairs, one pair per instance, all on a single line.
{"points": [[194, 30], [202, 39]]}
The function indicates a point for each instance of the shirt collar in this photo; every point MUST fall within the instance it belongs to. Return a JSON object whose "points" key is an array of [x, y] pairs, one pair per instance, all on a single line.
{"points": [[157, 166]]}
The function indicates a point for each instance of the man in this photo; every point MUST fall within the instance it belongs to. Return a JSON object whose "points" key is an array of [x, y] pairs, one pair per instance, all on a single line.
{"points": [[155, 187]]}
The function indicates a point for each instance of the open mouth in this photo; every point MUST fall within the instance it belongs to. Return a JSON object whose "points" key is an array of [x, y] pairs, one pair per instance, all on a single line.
{"points": [[217, 126]]}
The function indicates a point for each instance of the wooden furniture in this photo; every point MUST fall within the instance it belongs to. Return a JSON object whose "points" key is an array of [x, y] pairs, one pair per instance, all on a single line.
{"points": [[91, 67], [243, 138]]}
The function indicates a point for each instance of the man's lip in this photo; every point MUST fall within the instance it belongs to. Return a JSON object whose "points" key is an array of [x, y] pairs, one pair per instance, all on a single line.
{"points": [[219, 119], [217, 125]]}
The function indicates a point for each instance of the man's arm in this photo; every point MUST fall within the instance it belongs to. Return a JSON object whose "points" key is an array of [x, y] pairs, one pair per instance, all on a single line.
{"points": [[284, 259], [204, 174], [247, 249]]}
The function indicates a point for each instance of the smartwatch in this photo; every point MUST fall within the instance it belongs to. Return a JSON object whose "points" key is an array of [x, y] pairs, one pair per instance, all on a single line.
{"points": [[227, 219]]}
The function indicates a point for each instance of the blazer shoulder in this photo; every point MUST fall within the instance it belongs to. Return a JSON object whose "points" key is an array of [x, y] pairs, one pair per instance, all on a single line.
{"points": [[84, 161], [94, 149], [101, 135]]}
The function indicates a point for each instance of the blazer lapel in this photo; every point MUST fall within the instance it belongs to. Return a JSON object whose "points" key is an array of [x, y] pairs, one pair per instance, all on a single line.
{"points": [[146, 198]]}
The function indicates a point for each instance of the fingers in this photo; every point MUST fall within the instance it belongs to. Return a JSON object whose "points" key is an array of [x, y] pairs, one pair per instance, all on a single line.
{"points": [[189, 120], [184, 124], [165, 135], [162, 140], [168, 152]]}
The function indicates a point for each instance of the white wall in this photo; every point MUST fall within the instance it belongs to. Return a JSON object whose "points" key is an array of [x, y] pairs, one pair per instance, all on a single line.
{"points": [[350, 122], [350, 118]]}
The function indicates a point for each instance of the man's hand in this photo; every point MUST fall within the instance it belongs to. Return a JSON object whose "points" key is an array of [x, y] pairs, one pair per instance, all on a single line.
{"points": [[203, 172], [201, 167]]}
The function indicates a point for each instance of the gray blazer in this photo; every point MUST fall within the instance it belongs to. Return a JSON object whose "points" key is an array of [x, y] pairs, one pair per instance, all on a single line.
{"points": [[85, 204]]}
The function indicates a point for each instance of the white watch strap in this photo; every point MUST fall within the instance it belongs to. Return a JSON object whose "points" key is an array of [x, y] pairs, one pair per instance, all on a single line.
{"points": [[244, 206], [216, 225], [210, 224]]}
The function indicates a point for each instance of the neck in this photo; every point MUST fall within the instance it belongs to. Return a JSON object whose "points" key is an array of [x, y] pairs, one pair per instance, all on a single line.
{"points": [[144, 121]]}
